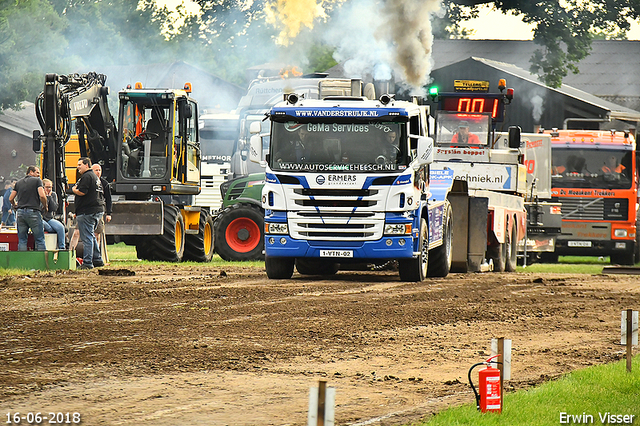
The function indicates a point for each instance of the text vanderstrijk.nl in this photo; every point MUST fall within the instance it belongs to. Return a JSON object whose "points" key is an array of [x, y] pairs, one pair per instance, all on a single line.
{"points": [[601, 418]]}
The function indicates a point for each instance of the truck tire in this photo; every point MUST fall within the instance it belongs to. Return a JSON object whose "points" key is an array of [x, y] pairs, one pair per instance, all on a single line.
{"points": [[239, 232], [415, 269], [168, 247], [199, 247], [498, 254], [316, 266], [279, 268], [511, 260], [440, 257]]}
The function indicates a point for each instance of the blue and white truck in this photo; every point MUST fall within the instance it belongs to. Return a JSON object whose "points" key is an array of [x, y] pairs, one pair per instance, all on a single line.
{"points": [[348, 182]]}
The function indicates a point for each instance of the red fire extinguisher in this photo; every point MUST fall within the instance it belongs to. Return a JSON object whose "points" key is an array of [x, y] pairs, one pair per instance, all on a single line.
{"points": [[488, 399]]}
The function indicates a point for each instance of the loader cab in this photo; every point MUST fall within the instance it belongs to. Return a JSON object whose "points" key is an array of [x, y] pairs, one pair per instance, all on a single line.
{"points": [[158, 144]]}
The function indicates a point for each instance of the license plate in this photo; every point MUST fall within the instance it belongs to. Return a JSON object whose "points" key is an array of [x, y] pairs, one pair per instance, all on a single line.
{"points": [[579, 243], [336, 253]]}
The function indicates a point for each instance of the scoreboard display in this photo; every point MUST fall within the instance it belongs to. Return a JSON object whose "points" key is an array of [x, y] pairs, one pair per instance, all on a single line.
{"points": [[474, 102]]}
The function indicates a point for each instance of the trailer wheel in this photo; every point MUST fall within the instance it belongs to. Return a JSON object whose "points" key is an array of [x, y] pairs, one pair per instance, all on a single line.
{"points": [[239, 233], [415, 269], [440, 257], [511, 249], [169, 246], [316, 267], [199, 247], [279, 268]]}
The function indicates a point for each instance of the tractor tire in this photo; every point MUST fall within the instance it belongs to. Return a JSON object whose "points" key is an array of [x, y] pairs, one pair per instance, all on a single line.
{"points": [[440, 257], [415, 270], [168, 247], [239, 233], [511, 260], [316, 267], [199, 247], [279, 268]]}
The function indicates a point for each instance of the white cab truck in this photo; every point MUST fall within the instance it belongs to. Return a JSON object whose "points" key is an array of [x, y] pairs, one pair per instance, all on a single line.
{"points": [[488, 195], [347, 182]]}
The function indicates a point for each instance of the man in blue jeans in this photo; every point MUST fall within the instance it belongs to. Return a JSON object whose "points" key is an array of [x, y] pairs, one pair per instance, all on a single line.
{"points": [[29, 201], [88, 192]]}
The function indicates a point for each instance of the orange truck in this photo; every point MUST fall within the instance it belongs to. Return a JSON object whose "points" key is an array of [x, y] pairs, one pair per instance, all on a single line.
{"points": [[595, 178]]}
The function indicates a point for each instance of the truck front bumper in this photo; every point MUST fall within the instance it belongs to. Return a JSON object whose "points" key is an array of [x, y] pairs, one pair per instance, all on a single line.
{"points": [[392, 247]]}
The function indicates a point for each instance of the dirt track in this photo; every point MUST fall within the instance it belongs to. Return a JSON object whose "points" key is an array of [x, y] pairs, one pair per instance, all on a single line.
{"points": [[196, 345]]}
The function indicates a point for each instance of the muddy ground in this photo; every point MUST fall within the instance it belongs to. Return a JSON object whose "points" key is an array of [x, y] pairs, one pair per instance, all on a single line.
{"points": [[201, 345]]}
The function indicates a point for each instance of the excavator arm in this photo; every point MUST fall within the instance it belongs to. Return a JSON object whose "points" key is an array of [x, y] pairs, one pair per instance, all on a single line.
{"points": [[80, 97]]}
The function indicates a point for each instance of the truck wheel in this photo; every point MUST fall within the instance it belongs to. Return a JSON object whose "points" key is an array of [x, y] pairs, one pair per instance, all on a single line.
{"points": [[239, 233], [199, 247], [279, 268], [498, 254], [316, 267], [440, 257], [548, 257], [169, 246], [416, 269], [512, 249]]}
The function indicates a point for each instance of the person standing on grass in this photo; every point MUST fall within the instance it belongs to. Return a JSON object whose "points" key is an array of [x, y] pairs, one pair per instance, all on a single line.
{"points": [[88, 191], [106, 206], [51, 224], [29, 201], [8, 216]]}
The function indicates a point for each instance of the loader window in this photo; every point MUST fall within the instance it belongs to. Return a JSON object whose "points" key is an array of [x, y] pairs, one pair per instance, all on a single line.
{"points": [[145, 136]]}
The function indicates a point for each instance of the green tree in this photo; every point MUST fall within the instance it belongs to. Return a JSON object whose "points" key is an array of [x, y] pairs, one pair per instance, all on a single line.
{"points": [[31, 43]]}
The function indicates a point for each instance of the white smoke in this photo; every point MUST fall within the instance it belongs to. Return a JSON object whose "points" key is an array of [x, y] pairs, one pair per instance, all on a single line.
{"points": [[537, 103], [384, 38]]}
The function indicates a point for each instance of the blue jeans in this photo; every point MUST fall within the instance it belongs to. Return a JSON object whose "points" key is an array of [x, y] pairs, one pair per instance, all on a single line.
{"points": [[30, 219], [8, 219], [87, 224], [53, 225]]}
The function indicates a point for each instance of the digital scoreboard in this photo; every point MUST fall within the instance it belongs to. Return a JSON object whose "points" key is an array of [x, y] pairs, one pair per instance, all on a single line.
{"points": [[492, 103]]}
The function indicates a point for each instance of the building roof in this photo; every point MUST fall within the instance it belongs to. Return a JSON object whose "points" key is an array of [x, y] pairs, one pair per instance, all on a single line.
{"points": [[612, 69], [22, 122], [610, 109]]}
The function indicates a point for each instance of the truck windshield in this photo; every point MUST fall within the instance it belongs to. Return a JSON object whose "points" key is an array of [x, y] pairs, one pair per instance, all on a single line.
{"points": [[462, 129], [334, 146], [591, 168], [218, 136]]}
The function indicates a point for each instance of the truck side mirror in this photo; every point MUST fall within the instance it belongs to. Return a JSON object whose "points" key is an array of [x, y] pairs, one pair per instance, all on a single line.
{"points": [[425, 150], [255, 147], [37, 145], [514, 137], [188, 113]]}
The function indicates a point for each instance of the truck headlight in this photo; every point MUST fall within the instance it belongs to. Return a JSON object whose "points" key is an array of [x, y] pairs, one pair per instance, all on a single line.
{"points": [[397, 229], [276, 228], [620, 233]]}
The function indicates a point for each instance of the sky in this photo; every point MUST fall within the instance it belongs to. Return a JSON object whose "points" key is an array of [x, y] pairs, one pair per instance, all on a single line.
{"points": [[494, 25]]}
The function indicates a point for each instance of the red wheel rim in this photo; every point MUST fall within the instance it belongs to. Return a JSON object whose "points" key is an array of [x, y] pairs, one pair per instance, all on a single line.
{"points": [[243, 235]]}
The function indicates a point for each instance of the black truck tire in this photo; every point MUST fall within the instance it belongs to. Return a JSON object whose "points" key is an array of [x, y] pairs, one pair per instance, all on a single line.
{"points": [[199, 247], [279, 268], [415, 269], [168, 247], [511, 260], [440, 257], [498, 254], [239, 232]]}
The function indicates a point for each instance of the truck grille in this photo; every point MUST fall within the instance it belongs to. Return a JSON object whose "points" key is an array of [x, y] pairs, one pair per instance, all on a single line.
{"points": [[340, 214], [575, 208]]}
